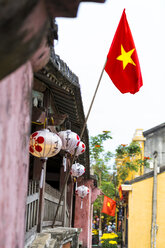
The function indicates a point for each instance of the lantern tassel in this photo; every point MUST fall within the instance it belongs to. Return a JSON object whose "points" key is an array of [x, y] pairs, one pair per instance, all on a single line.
{"points": [[41, 178], [81, 203], [76, 185], [64, 163]]}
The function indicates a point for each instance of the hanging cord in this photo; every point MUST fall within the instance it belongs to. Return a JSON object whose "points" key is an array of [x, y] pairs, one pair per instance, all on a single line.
{"points": [[45, 123], [82, 132], [37, 123], [41, 123]]}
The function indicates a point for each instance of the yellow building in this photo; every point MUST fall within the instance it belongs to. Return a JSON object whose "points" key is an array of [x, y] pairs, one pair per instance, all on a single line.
{"points": [[138, 211], [139, 138]]}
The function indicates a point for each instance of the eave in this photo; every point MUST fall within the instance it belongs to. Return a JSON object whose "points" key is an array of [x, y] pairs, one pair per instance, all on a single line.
{"points": [[65, 89]]}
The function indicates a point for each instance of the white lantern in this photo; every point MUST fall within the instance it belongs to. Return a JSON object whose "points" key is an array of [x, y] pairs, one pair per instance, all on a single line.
{"points": [[80, 149], [77, 170], [82, 191], [70, 140], [44, 144]]}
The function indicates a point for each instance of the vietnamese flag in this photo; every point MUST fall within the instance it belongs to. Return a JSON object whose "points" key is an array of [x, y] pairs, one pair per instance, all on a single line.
{"points": [[120, 192], [109, 206], [122, 64]]}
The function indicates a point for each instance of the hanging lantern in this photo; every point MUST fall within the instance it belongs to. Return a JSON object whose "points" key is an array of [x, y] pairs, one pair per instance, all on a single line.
{"points": [[80, 149], [44, 144], [82, 191], [77, 170], [70, 140]]}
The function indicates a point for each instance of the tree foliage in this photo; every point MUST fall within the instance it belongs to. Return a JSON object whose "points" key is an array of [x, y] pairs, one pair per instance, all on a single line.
{"points": [[97, 148], [130, 159], [99, 163], [131, 150]]}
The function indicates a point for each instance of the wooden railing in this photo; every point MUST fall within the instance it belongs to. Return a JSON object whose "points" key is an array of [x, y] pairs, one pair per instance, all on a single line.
{"points": [[51, 199], [32, 205]]}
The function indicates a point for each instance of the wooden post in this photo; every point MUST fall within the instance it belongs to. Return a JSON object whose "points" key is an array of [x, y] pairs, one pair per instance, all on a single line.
{"points": [[41, 197], [71, 205], [64, 205]]}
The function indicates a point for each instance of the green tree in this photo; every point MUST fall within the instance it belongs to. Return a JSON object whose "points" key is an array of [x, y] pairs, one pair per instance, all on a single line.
{"points": [[98, 157], [99, 164], [128, 157]]}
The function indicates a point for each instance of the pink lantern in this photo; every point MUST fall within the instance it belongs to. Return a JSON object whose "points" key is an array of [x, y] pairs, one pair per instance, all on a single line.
{"points": [[70, 140], [44, 144], [80, 149], [77, 170], [82, 191]]}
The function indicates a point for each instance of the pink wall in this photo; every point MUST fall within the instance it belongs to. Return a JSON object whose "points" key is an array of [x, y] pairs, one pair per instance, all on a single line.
{"points": [[15, 95], [83, 217]]}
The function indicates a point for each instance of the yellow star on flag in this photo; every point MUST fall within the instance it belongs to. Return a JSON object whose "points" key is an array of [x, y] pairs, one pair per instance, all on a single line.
{"points": [[126, 57], [108, 204]]}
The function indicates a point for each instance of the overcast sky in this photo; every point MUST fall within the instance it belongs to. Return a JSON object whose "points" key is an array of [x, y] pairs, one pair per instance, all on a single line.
{"points": [[84, 43]]}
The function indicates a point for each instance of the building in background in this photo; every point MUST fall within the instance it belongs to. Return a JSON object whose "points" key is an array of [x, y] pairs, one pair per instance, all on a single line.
{"points": [[122, 206], [155, 141], [139, 207], [139, 203]]}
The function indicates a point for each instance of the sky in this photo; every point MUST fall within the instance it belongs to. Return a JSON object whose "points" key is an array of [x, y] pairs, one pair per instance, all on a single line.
{"points": [[84, 43]]}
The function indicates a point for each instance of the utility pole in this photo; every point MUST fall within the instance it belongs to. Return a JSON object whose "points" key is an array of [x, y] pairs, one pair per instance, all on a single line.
{"points": [[154, 226]]}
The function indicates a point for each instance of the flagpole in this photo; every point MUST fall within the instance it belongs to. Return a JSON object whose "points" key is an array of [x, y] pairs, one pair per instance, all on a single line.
{"points": [[82, 132], [98, 84]]}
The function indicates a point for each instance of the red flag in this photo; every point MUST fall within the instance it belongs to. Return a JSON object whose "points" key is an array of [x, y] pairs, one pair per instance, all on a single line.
{"points": [[109, 206], [122, 64], [120, 192]]}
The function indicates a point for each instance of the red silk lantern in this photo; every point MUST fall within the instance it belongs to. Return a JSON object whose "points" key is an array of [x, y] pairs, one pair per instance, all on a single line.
{"points": [[70, 140], [80, 149], [44, 144]]}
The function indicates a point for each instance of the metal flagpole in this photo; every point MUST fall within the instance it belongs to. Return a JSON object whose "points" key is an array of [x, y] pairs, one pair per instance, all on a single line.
{"points": [[154, 204], [82, 132]]}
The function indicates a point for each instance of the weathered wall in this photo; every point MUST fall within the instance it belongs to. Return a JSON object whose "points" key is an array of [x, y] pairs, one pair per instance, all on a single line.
{"points": [[155, 141], [15, 94], [83, 216], [140, 213]]}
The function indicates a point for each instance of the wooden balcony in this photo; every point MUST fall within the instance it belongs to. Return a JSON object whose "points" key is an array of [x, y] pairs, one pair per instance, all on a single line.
{"points": [[51, 199]]}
